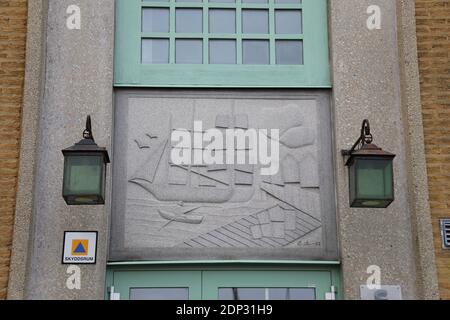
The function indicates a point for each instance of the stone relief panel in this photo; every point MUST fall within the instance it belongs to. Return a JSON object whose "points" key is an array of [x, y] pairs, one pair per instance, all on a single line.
{"points": [[161, 204]]}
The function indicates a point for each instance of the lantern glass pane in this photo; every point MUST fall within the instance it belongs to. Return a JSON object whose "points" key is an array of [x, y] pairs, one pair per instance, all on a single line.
{"points": [[373, 178], [83, 175]]}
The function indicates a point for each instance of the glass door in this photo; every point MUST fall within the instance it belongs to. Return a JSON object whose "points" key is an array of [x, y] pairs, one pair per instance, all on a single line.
{"points": [[221, 284]]}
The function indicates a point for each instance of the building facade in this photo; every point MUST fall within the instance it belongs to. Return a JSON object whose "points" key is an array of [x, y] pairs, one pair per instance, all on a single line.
{"points": [[144, 70]]}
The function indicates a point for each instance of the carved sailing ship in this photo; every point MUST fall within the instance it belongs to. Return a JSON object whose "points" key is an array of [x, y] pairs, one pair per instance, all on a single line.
{"points": [[168, 181]]}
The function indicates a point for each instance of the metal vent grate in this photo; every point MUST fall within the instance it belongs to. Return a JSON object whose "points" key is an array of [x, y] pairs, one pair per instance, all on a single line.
{"points": [[445, 233]]}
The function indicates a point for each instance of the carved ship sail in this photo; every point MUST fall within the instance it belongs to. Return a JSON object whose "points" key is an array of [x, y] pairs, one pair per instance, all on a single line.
{"points": [[168, 181]]}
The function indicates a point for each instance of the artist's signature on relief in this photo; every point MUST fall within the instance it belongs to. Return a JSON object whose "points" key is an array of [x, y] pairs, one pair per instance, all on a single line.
{"points": [[309, 244]]}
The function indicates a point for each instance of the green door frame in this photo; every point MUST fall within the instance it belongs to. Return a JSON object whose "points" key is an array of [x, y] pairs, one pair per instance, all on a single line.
{"points": [[219, 272]]}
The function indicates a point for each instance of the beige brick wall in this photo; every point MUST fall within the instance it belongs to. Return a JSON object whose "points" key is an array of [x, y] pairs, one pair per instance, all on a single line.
{"points": [[433, 35], [13, 18]]}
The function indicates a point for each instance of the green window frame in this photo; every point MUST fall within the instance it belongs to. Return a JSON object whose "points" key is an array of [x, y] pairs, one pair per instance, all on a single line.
{"points": [[130, 72]]}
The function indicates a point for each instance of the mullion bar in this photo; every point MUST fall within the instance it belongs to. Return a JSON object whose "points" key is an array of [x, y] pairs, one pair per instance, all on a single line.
{"points": [[177, 35], [288, 37], [155, 35], [149, 5], [287, 6], [226, 36], [238, 31], [271, 3], [177, 4], [252, 5], [272, 32], [172, 33], [221, 5], [205, 32], [256, 36]]}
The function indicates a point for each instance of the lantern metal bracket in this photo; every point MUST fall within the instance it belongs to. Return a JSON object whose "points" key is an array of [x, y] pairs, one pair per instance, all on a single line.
{"points": [[365, 138]]}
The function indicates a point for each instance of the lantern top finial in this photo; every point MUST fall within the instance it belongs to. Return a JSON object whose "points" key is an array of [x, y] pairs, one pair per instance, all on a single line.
{"points": [[87, 133], [366, 136]]}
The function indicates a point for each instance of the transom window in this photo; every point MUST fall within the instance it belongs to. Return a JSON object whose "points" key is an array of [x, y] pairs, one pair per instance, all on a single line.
{"points": [[222, 32], [232, 43]]}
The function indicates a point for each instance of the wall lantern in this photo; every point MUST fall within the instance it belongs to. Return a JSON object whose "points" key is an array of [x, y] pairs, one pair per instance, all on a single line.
{"points": [[371, 177], [85, 171]]}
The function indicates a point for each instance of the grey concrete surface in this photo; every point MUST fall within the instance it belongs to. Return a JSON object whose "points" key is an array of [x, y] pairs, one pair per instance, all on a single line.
{"points": [[367, 84], [77, 82]]}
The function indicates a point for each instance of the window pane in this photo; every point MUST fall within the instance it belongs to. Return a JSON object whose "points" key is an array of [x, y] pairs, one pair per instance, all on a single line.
{"points": [[159, 293], [289, 52], [155, 51], [222, 21], [255, 51], [156, 0], [189, 20], [292, 294], [155, 20], [222, 1], [288, 1], [222, 51], [255, 21], [254, 1], [188, 0], [242, 293], [267, 294], [82, 175], [189, 51], [288, 21], [373, 179]]}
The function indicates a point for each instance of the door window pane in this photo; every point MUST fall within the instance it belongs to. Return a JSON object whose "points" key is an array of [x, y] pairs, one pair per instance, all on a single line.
{"points": [[159, 293], [189, 21], [189, 51], [155, 51], [242, 294], [288, 1], [267, 294], [222, 51], [288, 21], [292, 294], [222, 21], [255, 21], [289, 52], [255, 52], [155, 20]]}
